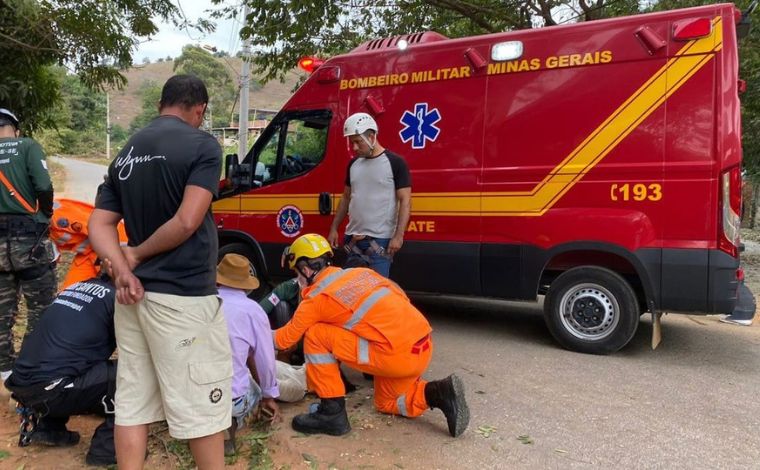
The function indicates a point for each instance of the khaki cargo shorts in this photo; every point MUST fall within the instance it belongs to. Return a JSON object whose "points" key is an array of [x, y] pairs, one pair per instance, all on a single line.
{"points": [[174, 364]]}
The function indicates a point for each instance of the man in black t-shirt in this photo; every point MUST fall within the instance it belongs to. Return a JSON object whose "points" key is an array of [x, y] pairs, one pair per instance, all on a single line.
{"points": [[377, 195], [63, 368], [174, 351]]}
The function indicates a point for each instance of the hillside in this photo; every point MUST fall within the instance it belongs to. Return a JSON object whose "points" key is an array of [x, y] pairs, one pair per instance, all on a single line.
{"points": [[126, 103]]}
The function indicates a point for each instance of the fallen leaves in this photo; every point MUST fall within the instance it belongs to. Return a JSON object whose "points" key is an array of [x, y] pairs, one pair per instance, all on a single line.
{"points": [[525, 439], [486, 430]]}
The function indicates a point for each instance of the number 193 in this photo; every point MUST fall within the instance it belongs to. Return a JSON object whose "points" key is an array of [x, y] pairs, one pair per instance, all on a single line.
{"points": [[636, 192]]}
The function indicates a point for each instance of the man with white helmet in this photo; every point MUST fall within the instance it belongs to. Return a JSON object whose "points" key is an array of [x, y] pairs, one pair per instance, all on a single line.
{"points": [[377, 195]]}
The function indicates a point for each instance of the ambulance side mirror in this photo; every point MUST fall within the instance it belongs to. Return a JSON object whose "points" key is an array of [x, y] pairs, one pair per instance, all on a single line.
{"points": [[237, 177], [230, 165]]}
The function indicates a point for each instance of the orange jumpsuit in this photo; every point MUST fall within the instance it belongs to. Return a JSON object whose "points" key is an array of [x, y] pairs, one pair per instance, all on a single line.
{"points": [[364, 320], [68, 230]]}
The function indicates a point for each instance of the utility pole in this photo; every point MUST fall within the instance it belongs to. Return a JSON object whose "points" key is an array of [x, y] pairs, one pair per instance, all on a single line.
{"points": [[244, 80], [108, 126]]}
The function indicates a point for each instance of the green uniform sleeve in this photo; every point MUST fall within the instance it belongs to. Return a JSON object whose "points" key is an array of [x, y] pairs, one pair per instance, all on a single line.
{"points": [[36, 167], [285, 292]]}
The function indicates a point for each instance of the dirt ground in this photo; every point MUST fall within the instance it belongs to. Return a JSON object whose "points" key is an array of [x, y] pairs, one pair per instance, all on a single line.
{"points": [[373, 443], [377, 441]]}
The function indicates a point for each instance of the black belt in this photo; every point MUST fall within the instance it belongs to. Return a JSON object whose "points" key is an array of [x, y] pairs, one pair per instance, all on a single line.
{"points": [[20, 224]]}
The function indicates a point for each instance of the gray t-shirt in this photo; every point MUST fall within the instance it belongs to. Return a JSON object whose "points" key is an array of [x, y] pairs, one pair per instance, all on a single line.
{"points": [[146, 183], [373, 209]]}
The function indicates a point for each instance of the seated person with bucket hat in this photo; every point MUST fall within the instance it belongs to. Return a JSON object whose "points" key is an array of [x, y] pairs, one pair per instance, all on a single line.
{"points": [[251, 343]]}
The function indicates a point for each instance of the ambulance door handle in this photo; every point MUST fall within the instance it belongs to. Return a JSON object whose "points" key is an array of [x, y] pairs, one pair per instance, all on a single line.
{"points": [[325, 204]]}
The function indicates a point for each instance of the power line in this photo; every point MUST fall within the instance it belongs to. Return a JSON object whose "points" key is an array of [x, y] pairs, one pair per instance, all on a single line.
{"points": [[184, 24]]}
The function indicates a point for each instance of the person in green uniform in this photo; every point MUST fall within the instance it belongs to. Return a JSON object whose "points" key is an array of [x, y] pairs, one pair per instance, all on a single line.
{"points": [[280, 304], [26, 253]]}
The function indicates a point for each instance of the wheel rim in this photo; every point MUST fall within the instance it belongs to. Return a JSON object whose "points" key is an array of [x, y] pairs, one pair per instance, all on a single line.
{"points": [[589, 312], [252, 270]]}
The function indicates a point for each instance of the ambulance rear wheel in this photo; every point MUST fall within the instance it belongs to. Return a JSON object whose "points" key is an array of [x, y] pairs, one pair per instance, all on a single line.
{"points": [[591, 310], [245, 250]]}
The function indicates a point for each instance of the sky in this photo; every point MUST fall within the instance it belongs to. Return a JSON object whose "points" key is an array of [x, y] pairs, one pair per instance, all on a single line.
{"points": [[170, 39]]}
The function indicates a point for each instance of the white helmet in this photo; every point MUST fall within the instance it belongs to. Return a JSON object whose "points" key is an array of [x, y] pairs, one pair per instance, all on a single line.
{"points": [[9, 117], [358, 124]]}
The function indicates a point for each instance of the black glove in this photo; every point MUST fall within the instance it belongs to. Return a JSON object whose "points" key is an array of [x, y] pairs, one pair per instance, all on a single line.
{"points": [[45, 200]]}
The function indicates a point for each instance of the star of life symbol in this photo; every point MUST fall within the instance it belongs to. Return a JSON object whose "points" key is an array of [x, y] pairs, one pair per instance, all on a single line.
{"points": [[420, 125]]}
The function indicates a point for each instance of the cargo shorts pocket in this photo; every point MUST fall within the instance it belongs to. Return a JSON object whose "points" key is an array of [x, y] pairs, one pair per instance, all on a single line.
{"points": [[162, 303], [212, 380]]}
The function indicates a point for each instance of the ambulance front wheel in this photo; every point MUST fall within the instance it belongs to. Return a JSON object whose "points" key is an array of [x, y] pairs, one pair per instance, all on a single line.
{"points": [[245, 250], [591, 310]]}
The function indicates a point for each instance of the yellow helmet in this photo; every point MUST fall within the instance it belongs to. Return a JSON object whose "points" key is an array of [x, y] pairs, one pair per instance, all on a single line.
{"points": [[310, 245]]}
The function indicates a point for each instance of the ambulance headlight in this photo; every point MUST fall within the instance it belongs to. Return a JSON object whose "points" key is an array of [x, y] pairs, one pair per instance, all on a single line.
{"points": [[509, 50]]}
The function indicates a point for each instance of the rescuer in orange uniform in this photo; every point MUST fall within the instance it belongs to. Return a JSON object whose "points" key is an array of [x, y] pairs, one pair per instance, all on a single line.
{"points": [[365, 321], [68, 230]]}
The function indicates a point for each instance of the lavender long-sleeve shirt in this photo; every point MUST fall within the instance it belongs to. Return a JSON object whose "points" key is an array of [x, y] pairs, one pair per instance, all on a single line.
{"points": [[250, 336]]}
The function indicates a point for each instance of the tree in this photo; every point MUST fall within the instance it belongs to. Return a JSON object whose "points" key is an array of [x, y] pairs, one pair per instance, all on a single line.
{"points": [[79, 117], [215, 74], [150, 92], [93, 38], [283, 31]]}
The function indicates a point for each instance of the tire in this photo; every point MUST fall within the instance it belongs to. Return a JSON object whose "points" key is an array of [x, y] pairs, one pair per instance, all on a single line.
{"points": [[245, 250], [591, 310]]}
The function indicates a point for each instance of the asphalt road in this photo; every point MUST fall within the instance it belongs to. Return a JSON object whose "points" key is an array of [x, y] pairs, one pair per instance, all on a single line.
{"points": [[82, 179], [691, 403]]}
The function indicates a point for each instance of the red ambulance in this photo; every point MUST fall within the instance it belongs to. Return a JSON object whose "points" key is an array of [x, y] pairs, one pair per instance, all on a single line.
{"points": [[598, 164]]}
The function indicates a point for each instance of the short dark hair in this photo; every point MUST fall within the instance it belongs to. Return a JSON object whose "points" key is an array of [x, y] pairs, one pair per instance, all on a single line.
{"points": [[183, 90]]}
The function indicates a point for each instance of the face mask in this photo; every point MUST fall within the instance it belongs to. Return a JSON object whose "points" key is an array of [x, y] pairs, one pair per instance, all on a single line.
{"points": [[302, 282]]}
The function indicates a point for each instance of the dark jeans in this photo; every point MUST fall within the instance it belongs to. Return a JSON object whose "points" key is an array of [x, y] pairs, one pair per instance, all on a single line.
{"points": [[380, 263], [84, 396]]}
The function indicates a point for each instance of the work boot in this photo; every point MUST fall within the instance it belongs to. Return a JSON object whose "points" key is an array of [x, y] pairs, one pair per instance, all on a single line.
{"points": [[329, 417], [55, 438], [448, 396]]}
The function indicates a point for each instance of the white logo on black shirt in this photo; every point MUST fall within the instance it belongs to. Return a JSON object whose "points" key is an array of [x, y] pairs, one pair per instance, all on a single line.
{"points": [[127, 163]]}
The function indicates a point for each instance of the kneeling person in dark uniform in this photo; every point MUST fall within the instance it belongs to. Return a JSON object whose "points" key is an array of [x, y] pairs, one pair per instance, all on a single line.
{"points": [[63, 369]]}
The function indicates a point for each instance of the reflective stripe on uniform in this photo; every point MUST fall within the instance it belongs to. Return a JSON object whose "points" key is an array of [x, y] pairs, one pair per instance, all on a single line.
{"points": [[364, 307], [320, 359], [363, 351], [64, 237], [82, 247], [401, 405], [325, 283]]}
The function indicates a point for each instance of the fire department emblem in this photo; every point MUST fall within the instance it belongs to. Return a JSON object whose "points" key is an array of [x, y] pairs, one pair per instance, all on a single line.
{"points": [[420, 125], [290, 221]]}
